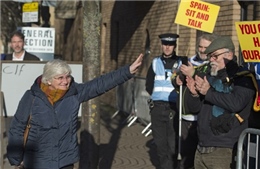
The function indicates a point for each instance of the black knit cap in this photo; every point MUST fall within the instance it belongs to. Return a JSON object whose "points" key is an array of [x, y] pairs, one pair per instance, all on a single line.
{"points": [[169, 38]]}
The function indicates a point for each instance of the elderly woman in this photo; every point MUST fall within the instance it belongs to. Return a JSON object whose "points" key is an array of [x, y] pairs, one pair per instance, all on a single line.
{"points": [[53, 103]]}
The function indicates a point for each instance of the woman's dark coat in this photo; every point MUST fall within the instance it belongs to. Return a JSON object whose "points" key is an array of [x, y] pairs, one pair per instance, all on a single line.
{"points": [[52, 141]]}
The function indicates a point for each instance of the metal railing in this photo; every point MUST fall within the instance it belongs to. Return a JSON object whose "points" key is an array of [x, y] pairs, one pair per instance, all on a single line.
{"points": [[132, 99], [248, 149]]}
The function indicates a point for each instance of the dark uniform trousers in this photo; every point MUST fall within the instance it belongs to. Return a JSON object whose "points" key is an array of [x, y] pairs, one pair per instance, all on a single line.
{"points": [[163, 119], [189, 142]]}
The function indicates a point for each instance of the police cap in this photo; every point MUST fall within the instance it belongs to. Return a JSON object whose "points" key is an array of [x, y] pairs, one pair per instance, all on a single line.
{"points": [[220, 43], [169, 38]]}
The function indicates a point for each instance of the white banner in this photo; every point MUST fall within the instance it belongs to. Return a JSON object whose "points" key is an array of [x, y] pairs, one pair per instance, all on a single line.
{"points": [[38, 39]]}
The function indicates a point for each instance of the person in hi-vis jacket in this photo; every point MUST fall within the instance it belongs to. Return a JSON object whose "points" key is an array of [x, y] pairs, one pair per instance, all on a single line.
{"points": [[164, 114]]}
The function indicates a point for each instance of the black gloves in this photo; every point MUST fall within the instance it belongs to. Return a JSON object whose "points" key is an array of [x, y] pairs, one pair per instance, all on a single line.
{"points": [[221, 124]]}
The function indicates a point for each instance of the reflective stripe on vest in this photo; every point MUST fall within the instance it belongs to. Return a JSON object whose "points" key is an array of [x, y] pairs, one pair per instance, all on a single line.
{"points": [[162, 86]]}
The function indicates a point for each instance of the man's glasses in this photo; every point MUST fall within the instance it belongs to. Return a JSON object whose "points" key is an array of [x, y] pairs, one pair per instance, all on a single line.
{"points": [[215, 56], [61, 78]]}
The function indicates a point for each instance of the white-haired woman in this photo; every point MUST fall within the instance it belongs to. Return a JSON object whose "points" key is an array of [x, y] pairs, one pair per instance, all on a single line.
{"points": [[53, 103]]}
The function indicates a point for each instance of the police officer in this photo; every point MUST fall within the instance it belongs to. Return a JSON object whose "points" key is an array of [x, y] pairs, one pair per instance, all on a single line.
{"points": [[164, 114]]}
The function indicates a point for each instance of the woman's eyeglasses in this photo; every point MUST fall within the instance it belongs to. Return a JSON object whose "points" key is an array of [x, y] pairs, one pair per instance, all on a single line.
{"points": [[61, 78]]}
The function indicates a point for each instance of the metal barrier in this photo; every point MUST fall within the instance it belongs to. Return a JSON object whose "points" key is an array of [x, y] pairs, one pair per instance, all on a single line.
{"points": [[125, 101], [140, 104], [248, 149], [132, 99], [140, 100]]}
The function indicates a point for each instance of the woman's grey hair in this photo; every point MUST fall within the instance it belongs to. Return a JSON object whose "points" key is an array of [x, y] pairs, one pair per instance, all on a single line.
{"points": [[53, 68]]}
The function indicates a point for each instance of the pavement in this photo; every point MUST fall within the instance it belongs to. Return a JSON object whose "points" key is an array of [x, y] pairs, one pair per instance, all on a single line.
{"points": [[121, 146]]}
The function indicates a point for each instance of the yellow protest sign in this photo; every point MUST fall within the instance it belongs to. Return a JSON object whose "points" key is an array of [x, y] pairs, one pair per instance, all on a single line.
{"points": [[30, 7], [197, 14], [248, 33]]}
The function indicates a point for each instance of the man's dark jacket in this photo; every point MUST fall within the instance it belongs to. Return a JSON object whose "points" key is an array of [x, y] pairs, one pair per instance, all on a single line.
{"points": [[239, 100], [27, 56]]}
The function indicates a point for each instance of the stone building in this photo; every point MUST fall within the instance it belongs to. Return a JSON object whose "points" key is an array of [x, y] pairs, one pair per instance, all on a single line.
{"points": [[132, 27]]}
